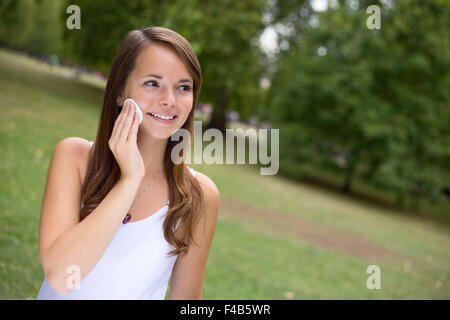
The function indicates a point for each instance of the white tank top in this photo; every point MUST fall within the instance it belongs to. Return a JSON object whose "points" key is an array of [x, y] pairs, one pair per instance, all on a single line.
{"points": [[134, 266]]}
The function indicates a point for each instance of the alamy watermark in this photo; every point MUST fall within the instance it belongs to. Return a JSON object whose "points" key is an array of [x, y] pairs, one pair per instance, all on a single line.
{"points": [[374, 281], [374, 20], [74, 279], [258, 147], [74, 20]]}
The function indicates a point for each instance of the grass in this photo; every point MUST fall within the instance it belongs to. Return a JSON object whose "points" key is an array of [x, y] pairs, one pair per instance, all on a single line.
{"points": [[248, 260]]}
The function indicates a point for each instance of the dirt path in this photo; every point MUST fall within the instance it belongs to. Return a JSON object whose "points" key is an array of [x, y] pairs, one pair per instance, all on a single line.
{"points": [[313, 232]]}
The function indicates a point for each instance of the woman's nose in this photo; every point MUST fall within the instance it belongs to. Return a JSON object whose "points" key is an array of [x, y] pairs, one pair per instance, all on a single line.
{"points": [[167, 97]]}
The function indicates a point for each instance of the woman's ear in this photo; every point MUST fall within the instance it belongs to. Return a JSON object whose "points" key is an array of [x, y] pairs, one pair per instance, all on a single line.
{"points": [[119, 101]]}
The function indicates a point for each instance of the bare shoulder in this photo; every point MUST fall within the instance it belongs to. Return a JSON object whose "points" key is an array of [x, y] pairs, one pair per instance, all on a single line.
{"points": [[210, 191], [72, 146], [74, 149]]}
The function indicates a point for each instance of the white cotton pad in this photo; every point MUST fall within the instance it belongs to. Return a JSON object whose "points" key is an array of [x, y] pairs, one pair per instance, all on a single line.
{"points": [[138, 110]]}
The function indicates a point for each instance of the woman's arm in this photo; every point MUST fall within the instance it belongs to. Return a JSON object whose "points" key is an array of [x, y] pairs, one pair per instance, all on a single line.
{"points": [[63, 241], [189, 269]]}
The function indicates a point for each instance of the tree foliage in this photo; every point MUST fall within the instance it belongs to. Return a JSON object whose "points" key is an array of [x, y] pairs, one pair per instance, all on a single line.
{"points": [[373, 103], [34, 25]]}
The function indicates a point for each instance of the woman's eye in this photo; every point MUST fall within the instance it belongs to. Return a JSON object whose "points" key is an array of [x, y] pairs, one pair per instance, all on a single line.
{"points": [[152, 82], [188, 88]]}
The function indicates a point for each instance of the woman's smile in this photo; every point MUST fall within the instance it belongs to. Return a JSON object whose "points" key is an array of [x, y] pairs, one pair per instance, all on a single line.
{"points": [[162, 118]]}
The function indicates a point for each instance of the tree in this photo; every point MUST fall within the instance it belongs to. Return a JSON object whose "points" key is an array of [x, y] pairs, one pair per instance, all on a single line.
{"points": [[372, 103], [33, 25], [223, 34]]}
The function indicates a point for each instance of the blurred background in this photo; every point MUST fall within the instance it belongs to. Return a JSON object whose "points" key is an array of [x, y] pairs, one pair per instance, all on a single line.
{"points": [[364, 124]]}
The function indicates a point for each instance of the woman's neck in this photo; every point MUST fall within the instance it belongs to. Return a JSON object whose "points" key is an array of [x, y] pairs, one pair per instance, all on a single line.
{"points": [[152, 151]]}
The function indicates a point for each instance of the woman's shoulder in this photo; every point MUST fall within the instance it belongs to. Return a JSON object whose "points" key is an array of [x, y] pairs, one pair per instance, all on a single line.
{"points": [[208, 186], [73, 145], [78, 150]]}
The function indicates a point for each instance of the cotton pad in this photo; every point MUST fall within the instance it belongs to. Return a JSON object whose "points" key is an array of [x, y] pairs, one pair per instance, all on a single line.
{"points": [[138, 110]]}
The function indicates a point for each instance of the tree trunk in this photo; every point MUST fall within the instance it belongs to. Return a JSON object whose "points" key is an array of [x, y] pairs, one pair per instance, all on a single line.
{"points": [[346, 187], [348, 177], [218, 119]]}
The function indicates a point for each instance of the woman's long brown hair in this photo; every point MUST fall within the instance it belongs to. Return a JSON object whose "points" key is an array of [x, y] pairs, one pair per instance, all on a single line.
{"points": [[185, 196]]}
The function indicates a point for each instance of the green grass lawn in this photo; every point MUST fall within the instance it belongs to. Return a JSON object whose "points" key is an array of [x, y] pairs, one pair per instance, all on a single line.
{"points": [[249, 259]]}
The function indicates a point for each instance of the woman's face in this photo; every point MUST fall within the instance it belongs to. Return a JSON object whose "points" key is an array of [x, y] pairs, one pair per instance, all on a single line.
{"points": [[160, 83]]}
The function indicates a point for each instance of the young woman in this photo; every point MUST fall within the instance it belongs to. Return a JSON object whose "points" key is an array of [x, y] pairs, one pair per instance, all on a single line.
{"points": [[143, 218]]}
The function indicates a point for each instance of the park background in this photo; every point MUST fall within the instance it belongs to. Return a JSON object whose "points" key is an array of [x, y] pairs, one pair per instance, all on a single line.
{"points": [[364, 124]]}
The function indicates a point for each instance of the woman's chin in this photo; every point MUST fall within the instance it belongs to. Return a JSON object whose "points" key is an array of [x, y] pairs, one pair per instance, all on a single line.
{"points": [[157, 133]]}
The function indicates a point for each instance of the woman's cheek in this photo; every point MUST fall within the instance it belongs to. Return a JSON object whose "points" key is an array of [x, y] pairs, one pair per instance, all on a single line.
{"points": [[187, 102]]}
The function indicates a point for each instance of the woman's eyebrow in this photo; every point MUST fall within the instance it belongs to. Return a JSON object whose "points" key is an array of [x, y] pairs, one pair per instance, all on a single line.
{"points": [[160, 77]]}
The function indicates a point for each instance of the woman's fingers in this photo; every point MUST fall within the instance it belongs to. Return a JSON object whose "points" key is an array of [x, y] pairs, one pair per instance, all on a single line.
{"points": [[134, 129], [122, 121], [127, 124], [118, 124]]}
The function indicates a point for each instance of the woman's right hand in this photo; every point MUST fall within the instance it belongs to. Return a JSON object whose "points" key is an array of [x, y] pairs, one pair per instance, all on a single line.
{"points": [[124, 146]]}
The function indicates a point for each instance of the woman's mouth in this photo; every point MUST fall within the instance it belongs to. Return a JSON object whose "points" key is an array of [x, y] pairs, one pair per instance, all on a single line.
{"points": [[162, 118]]}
